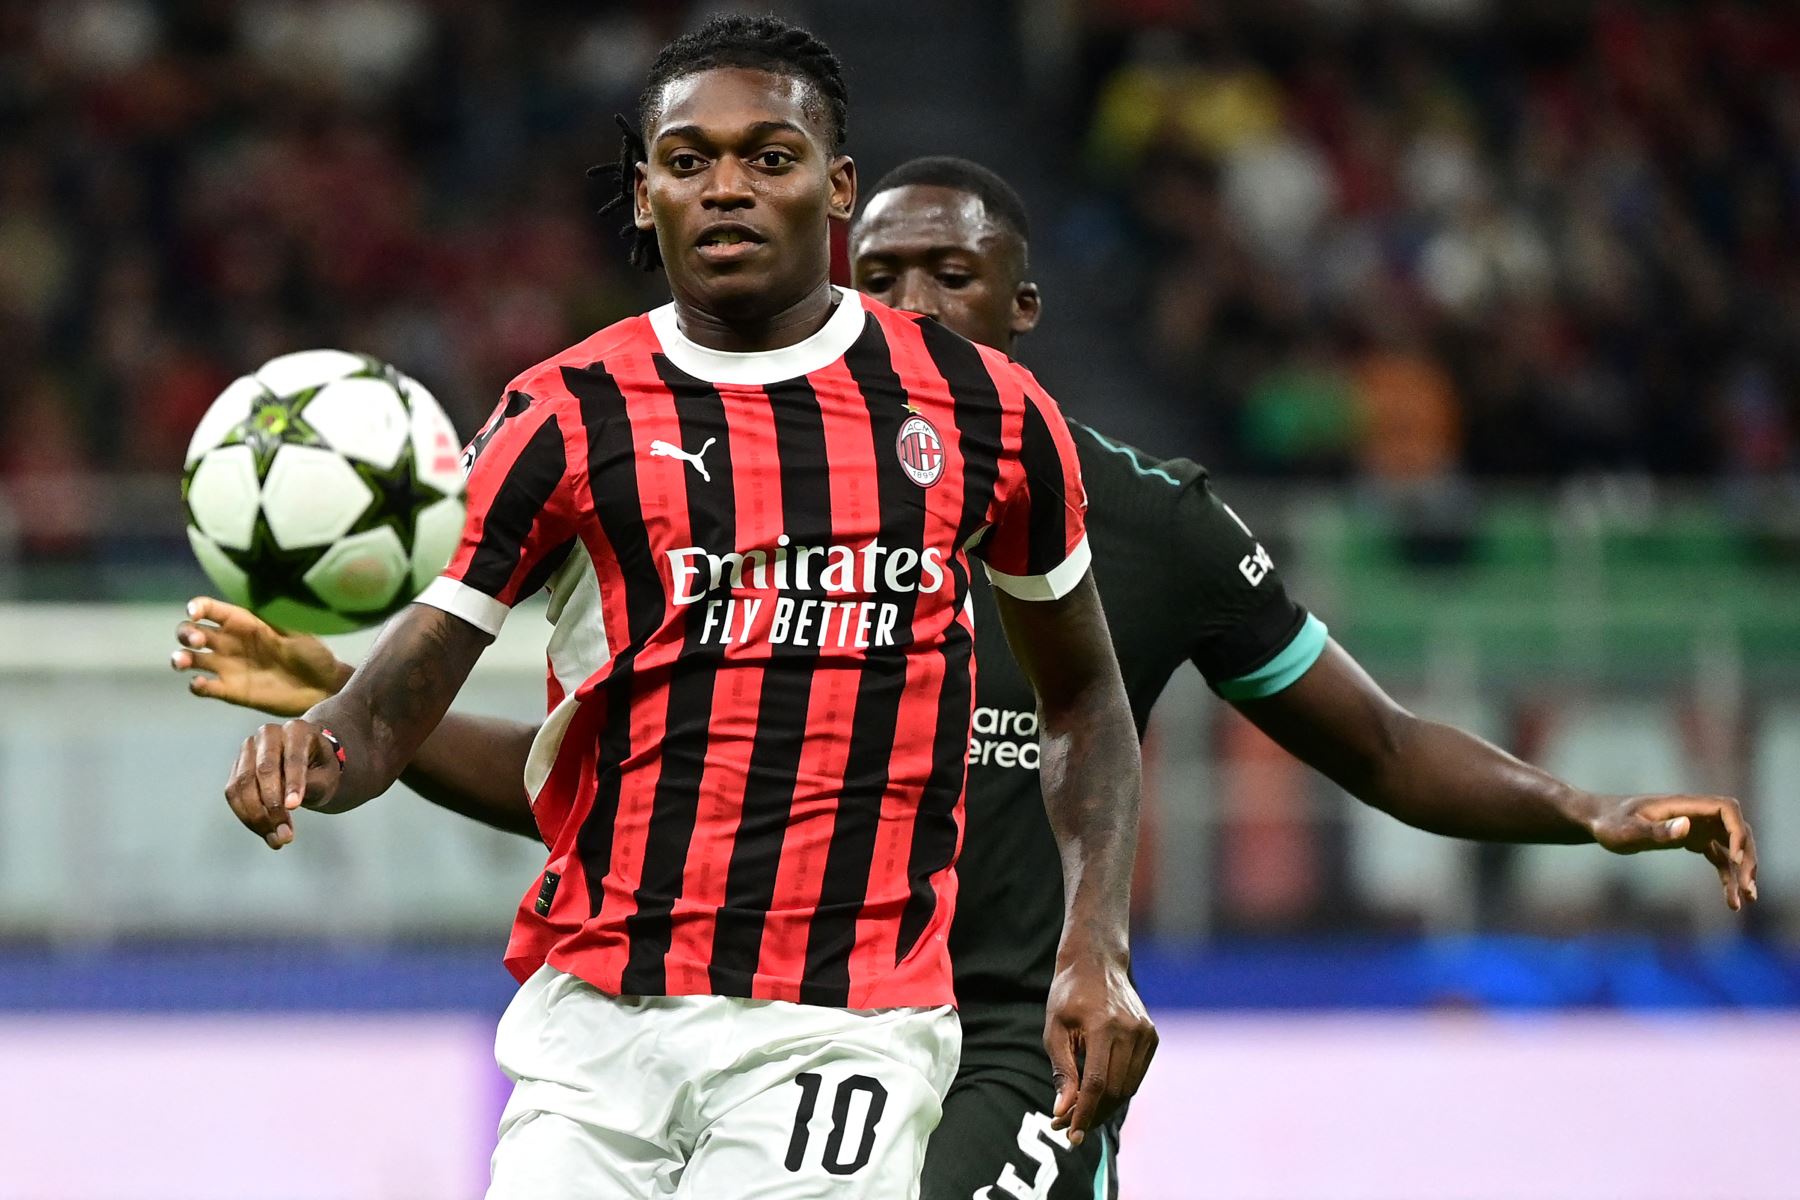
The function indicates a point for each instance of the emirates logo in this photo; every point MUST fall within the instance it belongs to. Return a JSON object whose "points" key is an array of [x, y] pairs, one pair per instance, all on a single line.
{"points": [[921, 451]]}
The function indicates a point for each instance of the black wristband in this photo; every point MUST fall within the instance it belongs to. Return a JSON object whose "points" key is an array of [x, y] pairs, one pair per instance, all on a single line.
{"points": [[337, 747]]}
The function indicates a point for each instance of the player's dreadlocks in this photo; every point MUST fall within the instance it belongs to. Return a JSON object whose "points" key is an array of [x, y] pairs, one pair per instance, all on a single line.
{"points": [[959, 174], [760, 43]]}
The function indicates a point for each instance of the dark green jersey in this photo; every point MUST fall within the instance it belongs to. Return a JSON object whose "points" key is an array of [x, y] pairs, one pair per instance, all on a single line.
{"points": [[1182, 580]]}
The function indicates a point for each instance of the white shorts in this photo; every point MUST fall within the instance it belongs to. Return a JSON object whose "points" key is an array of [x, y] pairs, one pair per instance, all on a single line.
{"points": [[714, 1098]]}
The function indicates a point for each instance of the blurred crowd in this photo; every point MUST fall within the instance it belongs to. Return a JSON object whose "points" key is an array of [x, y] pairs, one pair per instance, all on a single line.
{"points": [[1405, 240], [189, 188], [1423, 239]]}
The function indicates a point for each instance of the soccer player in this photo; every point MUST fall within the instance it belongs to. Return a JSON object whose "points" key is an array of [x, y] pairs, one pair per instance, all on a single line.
{"points": [[1185, 581], [951, 240], [756, 508]]}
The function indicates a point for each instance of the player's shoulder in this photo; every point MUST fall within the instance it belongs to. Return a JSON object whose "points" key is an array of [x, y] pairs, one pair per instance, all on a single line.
{"points": [[1004, 367], [898, 326], [544, 381], [1128, 469], [936, 337], [899, 321]]}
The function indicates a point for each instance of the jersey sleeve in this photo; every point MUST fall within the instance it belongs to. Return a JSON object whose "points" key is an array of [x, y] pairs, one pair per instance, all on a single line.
{"points": [[521, 515], [1249, 638], [1036, 547]]}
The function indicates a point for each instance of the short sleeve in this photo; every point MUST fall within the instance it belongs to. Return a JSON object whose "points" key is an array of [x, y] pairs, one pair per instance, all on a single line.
{"points": [[520, 524], [1036, 547], [1249, 638]]}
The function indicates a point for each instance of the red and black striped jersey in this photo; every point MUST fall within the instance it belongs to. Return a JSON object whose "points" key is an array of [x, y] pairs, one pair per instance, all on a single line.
{"points": [[761, 670]]}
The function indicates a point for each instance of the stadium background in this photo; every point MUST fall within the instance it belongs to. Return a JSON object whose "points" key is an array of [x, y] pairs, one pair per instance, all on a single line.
{"points": [[1485, 315]]}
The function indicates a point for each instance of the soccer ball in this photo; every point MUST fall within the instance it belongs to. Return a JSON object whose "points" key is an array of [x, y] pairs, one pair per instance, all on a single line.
{"points": [[323, 491]]}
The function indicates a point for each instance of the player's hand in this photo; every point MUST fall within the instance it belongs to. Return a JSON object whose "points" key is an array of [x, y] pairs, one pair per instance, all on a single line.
{"points": [[1100, 1041], [280, 768], [241, 659], [1712, 826]]}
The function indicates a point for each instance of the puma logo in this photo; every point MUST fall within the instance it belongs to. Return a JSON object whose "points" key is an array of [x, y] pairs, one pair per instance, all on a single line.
{"points": [[662, 449]]}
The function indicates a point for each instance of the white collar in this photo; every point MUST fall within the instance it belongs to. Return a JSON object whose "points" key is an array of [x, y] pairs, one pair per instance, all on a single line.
{"points": [[758, 367]]}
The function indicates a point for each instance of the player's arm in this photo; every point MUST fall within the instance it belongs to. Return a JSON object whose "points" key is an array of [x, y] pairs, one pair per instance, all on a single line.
{"points": [[352, 746], [379, 721], [1263, 653], [241, 659], [1444, 780], [471, 765], [474, 766], [1097, 1030]]}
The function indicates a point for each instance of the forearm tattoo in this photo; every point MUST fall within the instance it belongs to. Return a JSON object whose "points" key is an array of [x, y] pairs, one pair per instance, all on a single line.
{"points": [[411, 679], [397, 697]]}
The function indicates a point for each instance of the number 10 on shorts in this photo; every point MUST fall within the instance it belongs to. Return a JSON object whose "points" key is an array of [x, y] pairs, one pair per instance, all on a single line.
{"points": [[856, 1129]]}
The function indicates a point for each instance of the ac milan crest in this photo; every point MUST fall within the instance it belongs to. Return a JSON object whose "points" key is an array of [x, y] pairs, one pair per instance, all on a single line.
{"points": [[921, 451]]}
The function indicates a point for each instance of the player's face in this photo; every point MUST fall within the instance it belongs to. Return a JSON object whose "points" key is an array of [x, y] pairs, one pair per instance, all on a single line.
{"points": [[935, 251], [740, 187]]}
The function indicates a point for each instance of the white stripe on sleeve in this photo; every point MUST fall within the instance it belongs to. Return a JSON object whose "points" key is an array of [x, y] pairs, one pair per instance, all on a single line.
{"points": [[1058, 582], [460, 600]]}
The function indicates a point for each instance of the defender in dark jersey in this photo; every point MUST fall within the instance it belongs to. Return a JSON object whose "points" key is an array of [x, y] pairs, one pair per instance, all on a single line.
{"points": [[758, 510], [1186, 582], [1183, 580]]}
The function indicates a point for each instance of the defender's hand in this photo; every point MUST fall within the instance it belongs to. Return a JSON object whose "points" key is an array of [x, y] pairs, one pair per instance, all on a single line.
{"points": [[1713, 826], [280, 768], [241, 659], [1100, 1041]]}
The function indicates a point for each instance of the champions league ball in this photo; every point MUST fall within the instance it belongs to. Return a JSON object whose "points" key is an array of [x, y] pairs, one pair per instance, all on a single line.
{"points": [[323, 491]]}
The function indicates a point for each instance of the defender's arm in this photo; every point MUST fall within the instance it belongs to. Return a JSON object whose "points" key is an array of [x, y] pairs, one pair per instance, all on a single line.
{"points": [[1441, 779], [475, 767]]}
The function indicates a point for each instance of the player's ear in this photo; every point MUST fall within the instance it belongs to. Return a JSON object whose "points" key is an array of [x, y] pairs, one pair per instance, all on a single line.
{"points": [[1027, 307], [640, 197], [842, 174]]}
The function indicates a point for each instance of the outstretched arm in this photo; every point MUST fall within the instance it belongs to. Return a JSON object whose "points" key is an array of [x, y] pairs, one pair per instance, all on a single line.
{"points": [[382, 716], [1096, 1028], [1444, 780], [471, 765], [522, 513]]}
